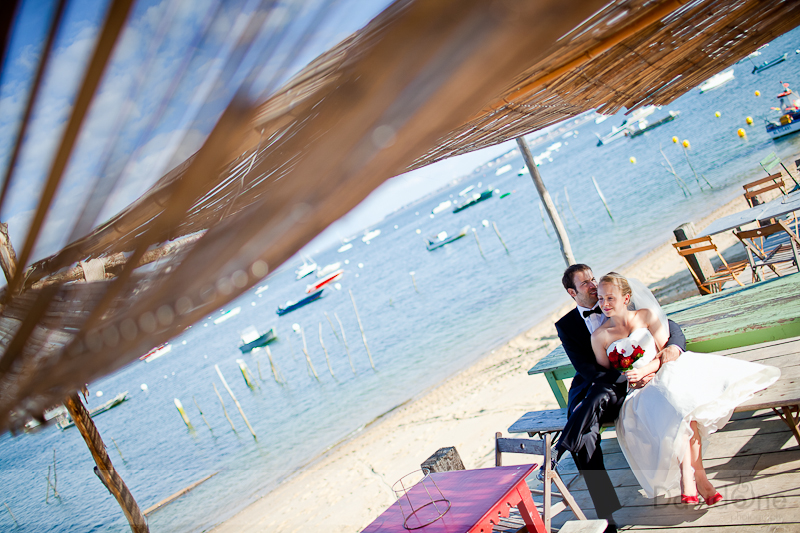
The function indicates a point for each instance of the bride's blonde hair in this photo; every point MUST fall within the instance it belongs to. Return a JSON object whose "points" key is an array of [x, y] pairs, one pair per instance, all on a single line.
{"points": [[618, 281]]}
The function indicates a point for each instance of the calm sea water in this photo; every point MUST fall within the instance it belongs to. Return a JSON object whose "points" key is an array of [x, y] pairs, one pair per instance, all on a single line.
{"points": [[465, 306]]}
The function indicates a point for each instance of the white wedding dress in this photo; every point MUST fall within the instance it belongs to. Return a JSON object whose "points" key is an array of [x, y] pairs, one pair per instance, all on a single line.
{"points": [[653, 426]]}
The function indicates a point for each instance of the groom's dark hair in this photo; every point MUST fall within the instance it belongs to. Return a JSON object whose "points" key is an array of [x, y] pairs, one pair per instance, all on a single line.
{"points": [[566, 280]]}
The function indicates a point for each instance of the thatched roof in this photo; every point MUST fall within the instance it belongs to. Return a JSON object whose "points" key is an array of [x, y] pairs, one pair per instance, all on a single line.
{"points": [[425, 80]]}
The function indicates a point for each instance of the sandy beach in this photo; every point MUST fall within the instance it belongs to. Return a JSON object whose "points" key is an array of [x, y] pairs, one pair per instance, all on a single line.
{"points": [[350, 485]]}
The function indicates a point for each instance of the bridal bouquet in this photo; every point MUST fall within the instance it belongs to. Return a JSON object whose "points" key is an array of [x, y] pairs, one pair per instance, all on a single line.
{"points": [[623, 362]]}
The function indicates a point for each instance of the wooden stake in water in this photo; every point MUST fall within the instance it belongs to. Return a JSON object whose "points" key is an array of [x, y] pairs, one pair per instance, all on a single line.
{"points": [[602, 198], [201, 414], [55, 475], [497, 231], [346, 347], [12, 514], [544, 222], [223, 406], [246, 374], [569, 204], [183, 413], [115, 446], [335, 334], [275, 372], [235, 401], [478, 241], [414, 281], [327, 359], [308, 359], [678, 180], [361, 327], [47, 494], [686, 153]]}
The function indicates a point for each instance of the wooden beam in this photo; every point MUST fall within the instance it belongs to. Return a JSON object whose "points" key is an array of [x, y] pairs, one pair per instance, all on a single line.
{"points": [[104, 469], [8, 257]]}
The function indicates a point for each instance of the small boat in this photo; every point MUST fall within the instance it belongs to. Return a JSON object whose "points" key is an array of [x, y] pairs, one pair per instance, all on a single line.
{"points": [[669, 118], [476, 198], [291, 306], [305, 269], [346, 246], [156, 352], [769, 64], [327, 269], [251, 338], [441, 207], [789, 121], [333, 276], [636, 121], [370, 235], [67, 421], [444, 239], [466, 191], [227, 315], [716, 81], [58, 413]]}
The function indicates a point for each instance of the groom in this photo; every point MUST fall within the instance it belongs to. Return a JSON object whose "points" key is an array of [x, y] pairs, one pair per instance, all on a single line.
{"points": [[597, 393]]}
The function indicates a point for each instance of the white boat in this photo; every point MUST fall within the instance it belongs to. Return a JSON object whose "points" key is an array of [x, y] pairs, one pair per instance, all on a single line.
{"points": [[228, 315], [466, 191], [635, 121], [156, 352], [717, 80], [503, 170], [327, 269], [370, 235], [345, 247], [441, 207], [601, 118], [305, 269]]}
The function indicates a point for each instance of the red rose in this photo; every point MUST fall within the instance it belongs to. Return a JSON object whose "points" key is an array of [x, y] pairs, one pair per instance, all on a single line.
{"points": [[626, 362], [613, 357], [637, 352]]}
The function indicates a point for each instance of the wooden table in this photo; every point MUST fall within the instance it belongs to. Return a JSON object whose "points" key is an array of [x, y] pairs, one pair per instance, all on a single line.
{"points": [[783, 397], [741, 316], [478, 498]]}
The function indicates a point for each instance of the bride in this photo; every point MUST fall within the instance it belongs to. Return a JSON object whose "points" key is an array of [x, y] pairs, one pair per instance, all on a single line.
{"points": [[665, 422]]}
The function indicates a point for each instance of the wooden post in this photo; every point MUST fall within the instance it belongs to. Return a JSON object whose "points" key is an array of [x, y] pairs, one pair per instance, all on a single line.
{"points": [[497, 231], [105, 470], [223, 406], [346, 347], [235, 401], [179, 406], [201, 416], [115, 446], [327, 359], [8, 258], [275, 372], [700, 264], [478, 241], [308, 358], [12, 514], [561, 232], [332, 328], [444, 460], [414, 281], [361, 327]]}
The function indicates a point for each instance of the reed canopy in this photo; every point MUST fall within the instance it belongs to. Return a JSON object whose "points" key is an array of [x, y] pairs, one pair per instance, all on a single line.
{"points": [[423, 81]]}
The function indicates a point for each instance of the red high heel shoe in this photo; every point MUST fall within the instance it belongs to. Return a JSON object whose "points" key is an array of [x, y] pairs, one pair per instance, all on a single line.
{"points": [[716, 498], [691, 499]]}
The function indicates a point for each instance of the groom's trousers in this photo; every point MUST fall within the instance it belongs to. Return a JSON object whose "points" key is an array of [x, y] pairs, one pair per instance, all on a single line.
{"points": [[581, 436]]}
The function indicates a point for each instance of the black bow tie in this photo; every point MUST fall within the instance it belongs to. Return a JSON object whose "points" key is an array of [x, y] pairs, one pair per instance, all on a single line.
{"points": [[590, 312]]}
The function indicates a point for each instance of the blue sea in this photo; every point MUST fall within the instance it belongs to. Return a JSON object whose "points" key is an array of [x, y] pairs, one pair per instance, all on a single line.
{"points": [[464, 305]]}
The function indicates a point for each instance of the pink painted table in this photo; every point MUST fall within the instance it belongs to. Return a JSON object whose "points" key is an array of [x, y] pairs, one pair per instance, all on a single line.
{"points": [[478, 498]]}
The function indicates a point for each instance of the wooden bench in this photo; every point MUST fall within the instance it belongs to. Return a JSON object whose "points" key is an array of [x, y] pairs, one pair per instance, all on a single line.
{"points": [[734, 318], [783, 397]]}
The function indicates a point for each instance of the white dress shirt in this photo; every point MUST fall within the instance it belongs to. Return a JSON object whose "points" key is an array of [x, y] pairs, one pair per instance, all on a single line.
{"points": [[594, 320]]}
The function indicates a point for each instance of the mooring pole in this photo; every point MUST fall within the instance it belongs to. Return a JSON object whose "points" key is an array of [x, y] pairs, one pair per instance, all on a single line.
{"points": [[105, 470], [561, 232]]}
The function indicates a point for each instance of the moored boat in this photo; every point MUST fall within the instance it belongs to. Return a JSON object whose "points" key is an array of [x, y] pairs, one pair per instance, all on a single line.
{"points": [[67, 421], [789, 120], [156, 352], [227, 315], [441, 207], [669, 118], [476, 198], [769, 64], [291, 306], [305, 269], [333, 276], [368, 236], [327, 269], [251, 338], [444, 239], [716, 81], [636, 121]]}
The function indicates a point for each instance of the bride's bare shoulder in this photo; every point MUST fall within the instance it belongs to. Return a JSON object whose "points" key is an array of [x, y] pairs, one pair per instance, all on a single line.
{"points": [[646, 316]]}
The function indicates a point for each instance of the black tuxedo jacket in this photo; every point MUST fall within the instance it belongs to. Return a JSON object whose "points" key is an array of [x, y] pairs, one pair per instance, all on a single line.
{"points": [[577, 342]]}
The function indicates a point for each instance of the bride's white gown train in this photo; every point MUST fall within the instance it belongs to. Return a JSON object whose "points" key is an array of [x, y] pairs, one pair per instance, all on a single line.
{"points": [[653, 428]]}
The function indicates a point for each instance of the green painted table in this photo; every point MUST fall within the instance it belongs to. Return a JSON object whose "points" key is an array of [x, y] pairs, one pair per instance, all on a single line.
{"points": [[765, 311]]}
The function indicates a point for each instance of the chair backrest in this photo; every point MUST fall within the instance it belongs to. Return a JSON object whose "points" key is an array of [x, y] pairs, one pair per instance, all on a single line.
{"points": [[764, 231], [755, 188], [770, 162], [528, 446], [693, 246]]}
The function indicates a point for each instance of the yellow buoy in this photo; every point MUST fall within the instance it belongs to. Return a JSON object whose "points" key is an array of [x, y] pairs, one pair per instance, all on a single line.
{"points": [[741, 133], [758, 93], [749, 120], [633, 160], [675, 140], [717, 114], [686, 143]]}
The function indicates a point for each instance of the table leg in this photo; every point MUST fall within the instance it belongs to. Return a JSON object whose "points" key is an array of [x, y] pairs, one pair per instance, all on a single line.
{"points": [[559, 390], [527, 509]]}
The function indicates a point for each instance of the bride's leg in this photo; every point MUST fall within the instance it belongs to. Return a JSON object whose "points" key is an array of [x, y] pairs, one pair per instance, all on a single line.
{"points": [[704, 486], [688, 487]]}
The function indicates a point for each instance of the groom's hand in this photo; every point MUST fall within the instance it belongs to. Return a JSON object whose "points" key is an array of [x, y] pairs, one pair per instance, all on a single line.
{"points": [[642, 382], [669, 353]]}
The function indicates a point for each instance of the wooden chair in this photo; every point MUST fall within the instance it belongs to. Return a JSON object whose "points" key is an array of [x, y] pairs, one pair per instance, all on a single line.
{"points": [[772, 161], [761, 252], [755, 188], [542, 448], [723, 274]]}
